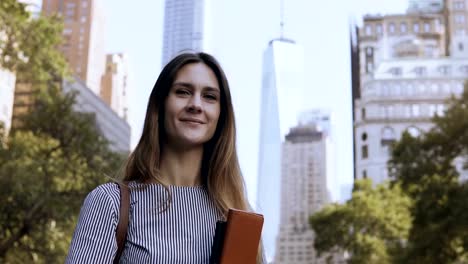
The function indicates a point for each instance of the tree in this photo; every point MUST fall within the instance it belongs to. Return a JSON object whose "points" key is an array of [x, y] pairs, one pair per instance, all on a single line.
{"points": [[28, 47], [46, 169], [425, 168], [56, 157], [423, 172], [371, 227]]}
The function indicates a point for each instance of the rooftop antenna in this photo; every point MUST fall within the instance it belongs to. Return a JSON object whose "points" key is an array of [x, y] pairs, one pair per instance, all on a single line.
{"points": [[282, 19]]}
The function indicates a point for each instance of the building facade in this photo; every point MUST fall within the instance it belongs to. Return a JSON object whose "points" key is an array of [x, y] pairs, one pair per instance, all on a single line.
{"points": [[7, 93], [184, 27], [303, 192], [111, 126], [114, 88], [83, 37], [282, 90], [405, 67]]}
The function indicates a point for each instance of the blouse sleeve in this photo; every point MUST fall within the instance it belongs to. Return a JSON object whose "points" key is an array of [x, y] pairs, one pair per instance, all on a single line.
{"points": [[94, 239]]}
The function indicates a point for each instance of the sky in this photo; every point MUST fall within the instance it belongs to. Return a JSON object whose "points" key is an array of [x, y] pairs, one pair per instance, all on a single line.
{"points": [[239, 33]]}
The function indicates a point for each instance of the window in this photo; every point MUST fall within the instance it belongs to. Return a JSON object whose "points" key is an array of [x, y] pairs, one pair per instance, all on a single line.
{"points": [[460, 19], [458, 89], [421, 88], [389, 111], [403, 28], [440, 109], [395, 71], [410, 89], [378, 29], [460, 46], [420, 71], [388, 138], [464, 68], [432, 110], [435, 88], [407, 111], [459, 5], [414, 131], [388, 133], [391, 28], [364, 152], [444, 69], [415, 110], [460, 32], [364, 174], [364, 136], [397, 89], [416, 27], [368, 30], [363, 113], [427, 27]]}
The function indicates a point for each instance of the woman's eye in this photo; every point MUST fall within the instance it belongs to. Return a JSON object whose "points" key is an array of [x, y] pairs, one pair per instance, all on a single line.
{"points": [[182, 92], [211, 97]]}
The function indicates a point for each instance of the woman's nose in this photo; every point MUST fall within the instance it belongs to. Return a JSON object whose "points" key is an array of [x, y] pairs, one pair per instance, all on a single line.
{"points": [[195, 104]]}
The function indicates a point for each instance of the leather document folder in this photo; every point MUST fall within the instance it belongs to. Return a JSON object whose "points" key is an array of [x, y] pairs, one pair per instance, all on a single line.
{"points": [[236, 241]]}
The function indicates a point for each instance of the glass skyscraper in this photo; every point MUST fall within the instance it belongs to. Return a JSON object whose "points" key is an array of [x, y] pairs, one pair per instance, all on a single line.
{"points": [[282, 92], [183, 27]]}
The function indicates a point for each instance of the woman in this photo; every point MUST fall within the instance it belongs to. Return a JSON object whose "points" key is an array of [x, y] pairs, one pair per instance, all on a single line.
{"points": [[183, 175]]}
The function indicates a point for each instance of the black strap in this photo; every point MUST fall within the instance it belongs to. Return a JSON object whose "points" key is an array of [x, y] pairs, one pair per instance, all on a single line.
{"points": [[122, 226]]}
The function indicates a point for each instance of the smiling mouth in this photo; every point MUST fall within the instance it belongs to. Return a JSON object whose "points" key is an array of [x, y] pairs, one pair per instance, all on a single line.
{"points": [[192, 121]]}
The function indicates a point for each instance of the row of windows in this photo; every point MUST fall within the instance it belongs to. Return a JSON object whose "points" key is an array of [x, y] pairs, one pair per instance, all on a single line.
{"points": [[387, 139], [398, 89], [405, 111], [377, 29], [422, 70]]}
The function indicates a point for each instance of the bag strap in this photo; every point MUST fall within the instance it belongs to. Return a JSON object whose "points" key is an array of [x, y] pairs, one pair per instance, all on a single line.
{"points": [[122, 226]]}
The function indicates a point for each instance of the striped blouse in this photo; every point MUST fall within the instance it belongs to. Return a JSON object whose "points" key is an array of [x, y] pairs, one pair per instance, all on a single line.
{"points": [[181, 234]]}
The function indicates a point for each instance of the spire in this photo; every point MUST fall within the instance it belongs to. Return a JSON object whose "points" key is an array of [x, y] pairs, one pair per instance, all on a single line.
{"points": [[281, 19]]}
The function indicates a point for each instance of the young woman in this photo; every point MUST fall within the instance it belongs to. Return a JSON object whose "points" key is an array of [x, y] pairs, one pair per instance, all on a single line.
{"points": [[183, 175]]}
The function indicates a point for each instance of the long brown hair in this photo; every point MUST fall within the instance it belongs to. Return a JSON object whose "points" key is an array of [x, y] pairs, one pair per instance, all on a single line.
{"points": [[220, 170]]}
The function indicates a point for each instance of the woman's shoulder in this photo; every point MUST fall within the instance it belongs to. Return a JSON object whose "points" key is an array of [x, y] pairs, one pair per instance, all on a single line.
{"points": [[107, 193]]}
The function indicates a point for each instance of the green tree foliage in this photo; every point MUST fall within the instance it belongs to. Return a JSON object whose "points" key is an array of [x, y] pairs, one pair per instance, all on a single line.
{"points": [[372, 226], [424, 166], [28, 46], [431, 224], [46, 169], [57, 156]]}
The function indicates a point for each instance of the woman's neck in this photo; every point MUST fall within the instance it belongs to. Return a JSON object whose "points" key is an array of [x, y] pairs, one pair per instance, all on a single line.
{"points": [[181, 167]]}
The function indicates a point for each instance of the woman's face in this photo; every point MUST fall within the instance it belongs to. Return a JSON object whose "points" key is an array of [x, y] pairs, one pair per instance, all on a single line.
{"points": [[192, 106]]}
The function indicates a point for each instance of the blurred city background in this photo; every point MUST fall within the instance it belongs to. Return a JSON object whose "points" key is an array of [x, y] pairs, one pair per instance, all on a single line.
{"points": [[352, 118]]}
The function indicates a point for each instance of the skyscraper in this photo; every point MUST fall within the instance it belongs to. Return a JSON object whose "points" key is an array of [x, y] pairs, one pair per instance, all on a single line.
{"points": [[184, 27], [114, 88], [303, 191], [83, 37], [281, 102], [405, 66]]}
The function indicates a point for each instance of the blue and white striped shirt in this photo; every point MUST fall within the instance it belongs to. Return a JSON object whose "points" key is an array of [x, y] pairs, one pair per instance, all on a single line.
{"points": [[181, 234]]}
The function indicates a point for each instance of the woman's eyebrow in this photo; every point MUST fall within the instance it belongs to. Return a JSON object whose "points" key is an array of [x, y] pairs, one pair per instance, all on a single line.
{"points": [[211, 89], [185, 84], [189, 85]]}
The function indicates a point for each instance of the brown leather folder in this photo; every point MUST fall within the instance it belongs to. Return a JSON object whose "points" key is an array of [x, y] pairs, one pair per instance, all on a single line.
{"points": [[236, 241]]}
